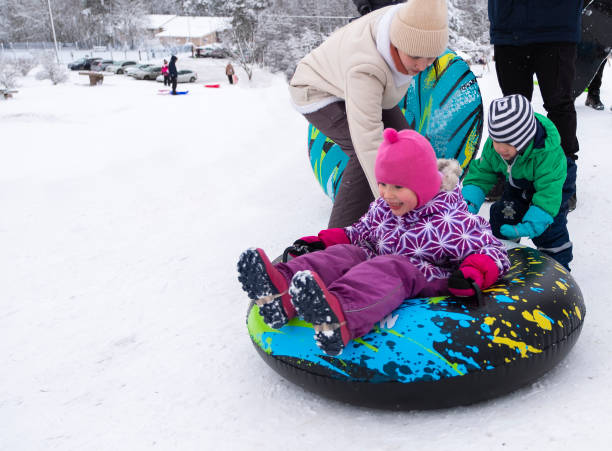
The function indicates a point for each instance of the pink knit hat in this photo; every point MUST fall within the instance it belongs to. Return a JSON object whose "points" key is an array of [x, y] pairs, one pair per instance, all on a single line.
{"points": [[407, 159]]}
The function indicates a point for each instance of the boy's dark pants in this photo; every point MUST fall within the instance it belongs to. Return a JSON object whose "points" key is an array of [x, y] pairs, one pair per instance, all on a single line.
{"points": [[354, 194], [515, 202]]}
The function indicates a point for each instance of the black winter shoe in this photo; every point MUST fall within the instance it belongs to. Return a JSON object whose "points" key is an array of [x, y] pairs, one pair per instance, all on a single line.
{"points": [[312, 303], [594, 102], [265, 285], [571, 203]]}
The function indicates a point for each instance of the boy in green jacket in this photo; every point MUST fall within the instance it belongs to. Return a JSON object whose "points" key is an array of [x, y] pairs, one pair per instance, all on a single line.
{"points": [[526, 148]]}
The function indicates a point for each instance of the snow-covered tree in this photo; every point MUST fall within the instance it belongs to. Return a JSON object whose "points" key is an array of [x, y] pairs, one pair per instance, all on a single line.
{"points": [[8, 73], [90, 21], [26, 20], [247, 43], [128, 20], [276, 33], [469, 27], [24, 64], [51, 70]]}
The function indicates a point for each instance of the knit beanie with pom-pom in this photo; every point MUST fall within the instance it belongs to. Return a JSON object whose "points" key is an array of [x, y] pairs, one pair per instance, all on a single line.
{"points": [[420, 28], [406, 158]]}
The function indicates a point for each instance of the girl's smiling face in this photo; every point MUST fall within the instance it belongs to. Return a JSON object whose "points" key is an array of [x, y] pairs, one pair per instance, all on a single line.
{"points": [[401, 200]]}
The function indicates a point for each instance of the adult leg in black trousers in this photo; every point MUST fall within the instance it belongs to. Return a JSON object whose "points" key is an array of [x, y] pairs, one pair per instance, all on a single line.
{"points": [[354, 194], [556, 82], [554, 66], [230, 79], [556, 69], [515, 76], [174, 82], [593, 100], [514, 67]]}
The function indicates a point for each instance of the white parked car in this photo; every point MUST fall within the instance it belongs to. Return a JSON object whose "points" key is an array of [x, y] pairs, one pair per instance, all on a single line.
{"points": [[120, 66], [148, 73], [184, 76], [129, 70]]}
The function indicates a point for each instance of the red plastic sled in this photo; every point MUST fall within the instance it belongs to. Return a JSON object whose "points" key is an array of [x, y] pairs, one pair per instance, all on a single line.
{"points": [[213, 86]]}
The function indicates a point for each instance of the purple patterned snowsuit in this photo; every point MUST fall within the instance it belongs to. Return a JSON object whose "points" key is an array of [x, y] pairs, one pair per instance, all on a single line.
{"points": [[393, 258]]}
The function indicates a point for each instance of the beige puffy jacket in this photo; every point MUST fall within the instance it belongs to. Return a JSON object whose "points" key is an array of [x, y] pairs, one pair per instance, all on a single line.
{"points": [[351, 66]]}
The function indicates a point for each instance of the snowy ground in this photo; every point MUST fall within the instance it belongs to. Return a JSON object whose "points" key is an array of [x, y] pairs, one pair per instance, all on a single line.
{"points": [[122, 324]]}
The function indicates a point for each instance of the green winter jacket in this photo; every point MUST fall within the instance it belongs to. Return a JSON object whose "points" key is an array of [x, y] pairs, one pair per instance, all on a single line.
{"points": [[545, 167]]}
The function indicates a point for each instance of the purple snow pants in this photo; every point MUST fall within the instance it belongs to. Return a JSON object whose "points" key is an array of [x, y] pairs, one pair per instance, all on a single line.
{"points": [[367, 289]]}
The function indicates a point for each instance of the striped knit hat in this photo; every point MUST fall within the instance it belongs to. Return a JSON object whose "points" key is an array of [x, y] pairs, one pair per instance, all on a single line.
{"points": [[511, 121]]}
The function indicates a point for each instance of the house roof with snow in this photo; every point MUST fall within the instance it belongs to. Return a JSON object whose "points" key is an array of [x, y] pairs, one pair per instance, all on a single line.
{"points": [[157, 21], [187, 26]]}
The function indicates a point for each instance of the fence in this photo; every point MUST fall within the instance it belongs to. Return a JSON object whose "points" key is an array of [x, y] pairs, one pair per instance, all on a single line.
{"points": [[73, 50]]}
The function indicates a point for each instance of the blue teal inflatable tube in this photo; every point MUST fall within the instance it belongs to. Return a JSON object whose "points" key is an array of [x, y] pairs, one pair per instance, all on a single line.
{"points": [[443, 103], [441, 352]]}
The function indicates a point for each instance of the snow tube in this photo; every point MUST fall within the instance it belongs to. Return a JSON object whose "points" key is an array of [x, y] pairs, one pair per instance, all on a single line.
{"points": [[444, 351], [443, 103]]}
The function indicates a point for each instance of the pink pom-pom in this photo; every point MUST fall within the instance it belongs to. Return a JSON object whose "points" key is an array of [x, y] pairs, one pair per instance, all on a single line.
{"points": [[390, 135]]}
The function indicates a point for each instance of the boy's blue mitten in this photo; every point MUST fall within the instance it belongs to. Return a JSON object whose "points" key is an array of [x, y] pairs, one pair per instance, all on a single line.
{"points": [[534, 223], [474, 197]]}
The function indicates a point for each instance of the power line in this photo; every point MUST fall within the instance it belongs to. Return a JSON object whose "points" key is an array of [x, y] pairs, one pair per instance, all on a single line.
{"points": [[307, 17]]}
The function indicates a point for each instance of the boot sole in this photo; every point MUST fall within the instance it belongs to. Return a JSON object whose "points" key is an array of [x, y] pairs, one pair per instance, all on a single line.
{"points": [[255, 280], [310, 304]]}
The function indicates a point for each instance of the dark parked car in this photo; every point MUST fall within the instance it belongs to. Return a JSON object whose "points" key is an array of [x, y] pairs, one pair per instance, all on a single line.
{"points": [[101, 65], [82, 63]]}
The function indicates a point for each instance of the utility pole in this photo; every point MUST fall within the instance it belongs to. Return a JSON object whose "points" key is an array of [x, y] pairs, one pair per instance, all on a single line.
{"points": [[53, 30]]}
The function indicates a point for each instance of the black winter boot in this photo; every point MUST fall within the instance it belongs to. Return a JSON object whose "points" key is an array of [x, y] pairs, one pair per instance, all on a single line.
{"points": [[594, 102], [571, 203], [312, 303], [265, 285]]}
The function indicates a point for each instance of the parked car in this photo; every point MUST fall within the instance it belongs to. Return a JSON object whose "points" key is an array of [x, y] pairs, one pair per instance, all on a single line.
{"points": [[148, 73], [101, 65], [136, 67], [212, 51], [82, 63], [120, 66], [184, 76]]}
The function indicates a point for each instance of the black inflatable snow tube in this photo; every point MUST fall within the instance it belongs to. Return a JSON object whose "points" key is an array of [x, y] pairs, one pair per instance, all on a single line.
{"points": [[441, 352]]}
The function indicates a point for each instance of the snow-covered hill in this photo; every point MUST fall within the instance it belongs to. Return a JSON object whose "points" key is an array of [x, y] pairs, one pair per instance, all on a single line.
{"points": [[122, 324]]}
